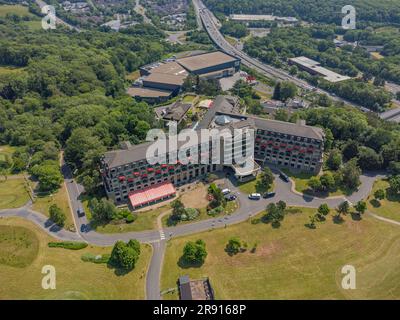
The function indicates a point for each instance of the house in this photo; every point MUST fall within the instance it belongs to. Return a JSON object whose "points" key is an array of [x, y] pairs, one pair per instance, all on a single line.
{"points": [[195, 289]]}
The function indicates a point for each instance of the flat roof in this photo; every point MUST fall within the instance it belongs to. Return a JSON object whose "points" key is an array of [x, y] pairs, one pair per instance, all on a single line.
{"points": [[328, 75], [205, 60], [165, 78], [171, 68], [257, 17], [151, 193], [147, 92]]}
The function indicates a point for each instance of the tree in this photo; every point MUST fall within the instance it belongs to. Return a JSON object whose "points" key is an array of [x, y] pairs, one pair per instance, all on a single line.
{"points": [[394, 183], [379, 194], [334, 160], [311, 224], [361, 207], [102, 210], [57, 215], [277, 91], [281, 115], [323, 209], [195, 252], [351, 174], [125, 255], [287, 90], [275, 213], [267, 178], [48, 175], [178, 209], [327, 181], [314, 184], [343, 208], [368, 159], [234, 246]]}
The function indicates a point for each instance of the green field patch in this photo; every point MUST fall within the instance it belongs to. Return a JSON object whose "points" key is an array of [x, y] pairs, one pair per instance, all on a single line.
{"points": [[19, 246], [13, 193]]}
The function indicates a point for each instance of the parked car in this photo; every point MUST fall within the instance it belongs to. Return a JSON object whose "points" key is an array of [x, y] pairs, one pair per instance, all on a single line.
{"points": [[230, 197], [226, 191], [284, 177], [269, 195], [255, 196], [80, 212]]}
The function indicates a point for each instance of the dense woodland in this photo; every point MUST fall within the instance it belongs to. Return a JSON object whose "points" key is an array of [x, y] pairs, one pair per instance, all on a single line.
{"points": [[327, 11], [63, 89]]}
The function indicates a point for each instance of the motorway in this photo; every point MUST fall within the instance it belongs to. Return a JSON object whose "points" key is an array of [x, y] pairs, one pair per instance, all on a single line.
{"points": [[209, 23]]}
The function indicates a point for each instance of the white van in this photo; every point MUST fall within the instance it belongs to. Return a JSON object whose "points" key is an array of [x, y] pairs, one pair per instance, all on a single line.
{"points": [[225, 191], [255, 196]]}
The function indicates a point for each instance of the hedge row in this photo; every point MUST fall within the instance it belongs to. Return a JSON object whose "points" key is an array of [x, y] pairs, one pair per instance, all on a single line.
{"points": [[71, 245]]}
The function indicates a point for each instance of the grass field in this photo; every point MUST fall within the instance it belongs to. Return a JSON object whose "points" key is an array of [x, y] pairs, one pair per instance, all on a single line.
{"points": [[60, 198], [231, 207], [133, 75], [13, 193], [294, 262], [14, 9], [388, 207], [147, 220], [75, 279], [253, 187], [301, 179]]}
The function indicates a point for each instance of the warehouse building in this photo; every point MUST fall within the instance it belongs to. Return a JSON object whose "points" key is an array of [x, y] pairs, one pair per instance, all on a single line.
{"points": [[211, 65], [168, 77], [314, 67]]}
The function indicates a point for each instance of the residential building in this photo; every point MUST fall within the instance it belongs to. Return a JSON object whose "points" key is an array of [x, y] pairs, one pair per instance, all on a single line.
{"points": [[195, 289], [292, 145]]}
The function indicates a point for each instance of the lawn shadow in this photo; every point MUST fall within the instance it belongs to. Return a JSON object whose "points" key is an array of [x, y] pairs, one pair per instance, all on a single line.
{"points": [[182, 263], [119, 272], [356, 216], [375, 203], [337, 219]]}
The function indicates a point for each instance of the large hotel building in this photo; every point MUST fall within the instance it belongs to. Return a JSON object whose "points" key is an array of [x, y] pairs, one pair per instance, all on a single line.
{"points": [[129, 178]]}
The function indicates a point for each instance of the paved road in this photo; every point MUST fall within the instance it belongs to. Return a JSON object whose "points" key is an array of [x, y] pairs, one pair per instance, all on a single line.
{"points": [[210, 25]]}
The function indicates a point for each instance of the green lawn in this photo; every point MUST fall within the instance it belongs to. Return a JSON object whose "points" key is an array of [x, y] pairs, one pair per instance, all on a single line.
{"points": [[231, 207], [301, 179], [13, 193], [294, 262], [25, 244], [60, 198], [15, 9], [388, 207], [253, 187], [189, 98], [147, 220]]}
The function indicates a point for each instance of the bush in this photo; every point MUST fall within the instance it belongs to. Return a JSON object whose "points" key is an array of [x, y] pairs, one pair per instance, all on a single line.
{"points": [[131, 217], [90, 257], [190, 214], [70, 245], [215, 211], [195, 252], [57, 215]]}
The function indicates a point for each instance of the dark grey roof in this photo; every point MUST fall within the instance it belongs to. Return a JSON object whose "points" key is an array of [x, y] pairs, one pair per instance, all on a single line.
{"points": [[221, 104], [293, 129], [177, 111]]}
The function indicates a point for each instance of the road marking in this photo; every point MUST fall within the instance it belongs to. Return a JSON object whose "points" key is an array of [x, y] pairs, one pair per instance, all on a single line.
{"points": [[162, 234]]}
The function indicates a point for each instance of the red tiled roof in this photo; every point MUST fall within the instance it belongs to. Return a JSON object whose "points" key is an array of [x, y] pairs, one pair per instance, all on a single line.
{"points": [[151, 193]]}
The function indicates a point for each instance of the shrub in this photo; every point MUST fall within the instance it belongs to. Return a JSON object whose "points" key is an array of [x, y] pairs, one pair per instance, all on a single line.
{"points": [[215, 211], [70, 245], [125, 255], [90, 257], [130, 218], [57, 215], [195, 252], [191, 214]]}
